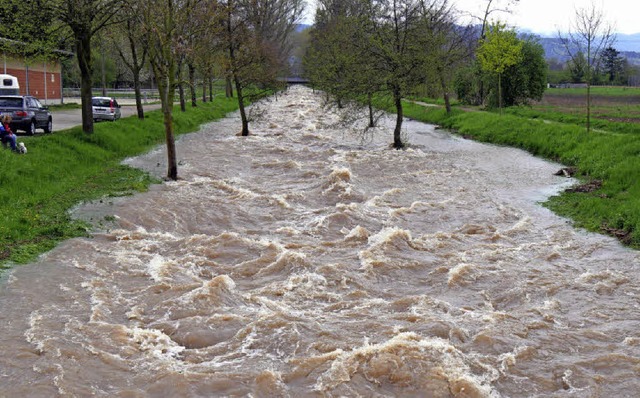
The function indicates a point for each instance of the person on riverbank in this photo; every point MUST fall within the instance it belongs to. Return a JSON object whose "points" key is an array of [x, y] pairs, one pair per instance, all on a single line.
{"points": [[6, 135]]}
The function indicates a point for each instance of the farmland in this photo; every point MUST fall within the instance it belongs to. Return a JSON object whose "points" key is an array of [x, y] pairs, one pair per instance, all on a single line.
{"points": [[613, 109]]}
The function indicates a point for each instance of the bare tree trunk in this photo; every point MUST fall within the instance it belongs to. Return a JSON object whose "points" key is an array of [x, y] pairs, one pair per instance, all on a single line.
{"points": [[83, 50], [135, 66], [183, 103], [104, 73], [229, 88], [588, 105], [500, 92], [138, 91], [192, 84], [445, 92], [211, 89], [204, 89]]}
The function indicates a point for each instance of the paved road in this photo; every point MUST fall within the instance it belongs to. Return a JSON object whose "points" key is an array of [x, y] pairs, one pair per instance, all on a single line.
{"points": [[68, 118]]}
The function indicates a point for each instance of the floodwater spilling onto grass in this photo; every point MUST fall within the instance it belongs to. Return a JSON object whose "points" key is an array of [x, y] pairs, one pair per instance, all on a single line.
{"points": [[302, 262]]}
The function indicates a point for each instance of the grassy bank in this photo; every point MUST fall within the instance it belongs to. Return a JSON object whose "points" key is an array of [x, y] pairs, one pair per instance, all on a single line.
{"points": [[69, 167], [611, 159]]}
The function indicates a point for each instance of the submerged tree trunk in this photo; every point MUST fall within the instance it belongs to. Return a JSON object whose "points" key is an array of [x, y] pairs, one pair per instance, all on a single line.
{"points": [[372, 122], [165, 87], [397, 132], [243, 113]]}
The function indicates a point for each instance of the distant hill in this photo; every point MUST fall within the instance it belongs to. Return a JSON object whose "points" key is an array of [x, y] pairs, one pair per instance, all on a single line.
{"points": [[301, 26], [628, 45]]}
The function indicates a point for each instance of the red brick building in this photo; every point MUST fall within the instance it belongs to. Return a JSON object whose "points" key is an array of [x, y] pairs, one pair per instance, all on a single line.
{"points": [[42, 79]]}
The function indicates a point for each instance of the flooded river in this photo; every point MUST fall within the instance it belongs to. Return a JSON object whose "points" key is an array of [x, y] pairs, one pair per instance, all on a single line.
{"points": [[302, 262]]}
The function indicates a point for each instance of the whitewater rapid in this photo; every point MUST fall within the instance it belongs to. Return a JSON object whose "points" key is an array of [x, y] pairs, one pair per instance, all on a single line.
{"points": [[305, 261]]}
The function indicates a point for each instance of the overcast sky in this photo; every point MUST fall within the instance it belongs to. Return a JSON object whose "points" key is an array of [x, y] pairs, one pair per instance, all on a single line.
{"points": [[547, 16]]}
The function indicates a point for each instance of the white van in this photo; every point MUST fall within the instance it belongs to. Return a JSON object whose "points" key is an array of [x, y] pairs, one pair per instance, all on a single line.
{"points": [[9, 85]]}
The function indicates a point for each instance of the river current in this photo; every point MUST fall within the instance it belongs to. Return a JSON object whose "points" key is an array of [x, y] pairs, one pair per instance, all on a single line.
{"points": [[304, 261]]}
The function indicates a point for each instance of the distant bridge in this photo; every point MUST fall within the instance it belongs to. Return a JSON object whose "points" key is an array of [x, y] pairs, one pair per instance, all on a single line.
{"points": [[294, 80]]}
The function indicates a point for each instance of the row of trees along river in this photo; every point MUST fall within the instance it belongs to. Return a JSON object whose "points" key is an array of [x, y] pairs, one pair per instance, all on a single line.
{"points": [[357, 50]]}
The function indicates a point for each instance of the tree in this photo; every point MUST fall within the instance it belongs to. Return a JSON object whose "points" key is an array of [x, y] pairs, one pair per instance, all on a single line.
{"points": [[577, 67], [526, 80], [85, 18], [253, 41], [489, 8], [34, 25], [128, 39], [160, 21], [331, 60], [499, 50], [452, 48], [399, 35], [339, 62], [590, 35], [31, 30], [612, 64]]}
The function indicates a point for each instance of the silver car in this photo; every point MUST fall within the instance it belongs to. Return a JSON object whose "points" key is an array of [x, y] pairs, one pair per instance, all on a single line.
{"points": [[105, 108]]}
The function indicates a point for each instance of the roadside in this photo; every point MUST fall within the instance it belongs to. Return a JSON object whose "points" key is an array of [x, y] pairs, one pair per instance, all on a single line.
{"points": [[67, 118]]}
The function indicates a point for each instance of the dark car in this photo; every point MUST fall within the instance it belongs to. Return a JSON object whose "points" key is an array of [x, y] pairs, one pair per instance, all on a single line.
{"points": [[105, 108], [27, 113]]}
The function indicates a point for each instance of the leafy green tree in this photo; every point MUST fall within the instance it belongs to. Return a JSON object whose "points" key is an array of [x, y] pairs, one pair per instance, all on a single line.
{"points": [[85, 18], [32, 23], [612, 64], [400, 36], [577, 67], [499, 50], [526, 80], [330, 60]]}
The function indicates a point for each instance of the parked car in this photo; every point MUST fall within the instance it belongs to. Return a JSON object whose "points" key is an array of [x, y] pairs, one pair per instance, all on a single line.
{"points": [[27, 113], [105, 108]]}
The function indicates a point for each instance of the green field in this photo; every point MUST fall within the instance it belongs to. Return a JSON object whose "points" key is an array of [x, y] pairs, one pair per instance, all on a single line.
{"points": [[607, 158], [69, 167]]}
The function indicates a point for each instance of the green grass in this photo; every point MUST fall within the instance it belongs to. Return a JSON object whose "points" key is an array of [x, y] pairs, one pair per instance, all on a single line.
{"points": [[69, 167], [59, 107], [613, 158]]}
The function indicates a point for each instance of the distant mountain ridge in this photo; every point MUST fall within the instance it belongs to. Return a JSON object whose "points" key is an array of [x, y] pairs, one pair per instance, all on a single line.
{"points": [[628, 42], [628, 45]]}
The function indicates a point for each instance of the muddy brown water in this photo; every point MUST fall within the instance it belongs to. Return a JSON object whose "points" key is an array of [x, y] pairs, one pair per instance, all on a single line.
{"points": [[302, 262]]}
